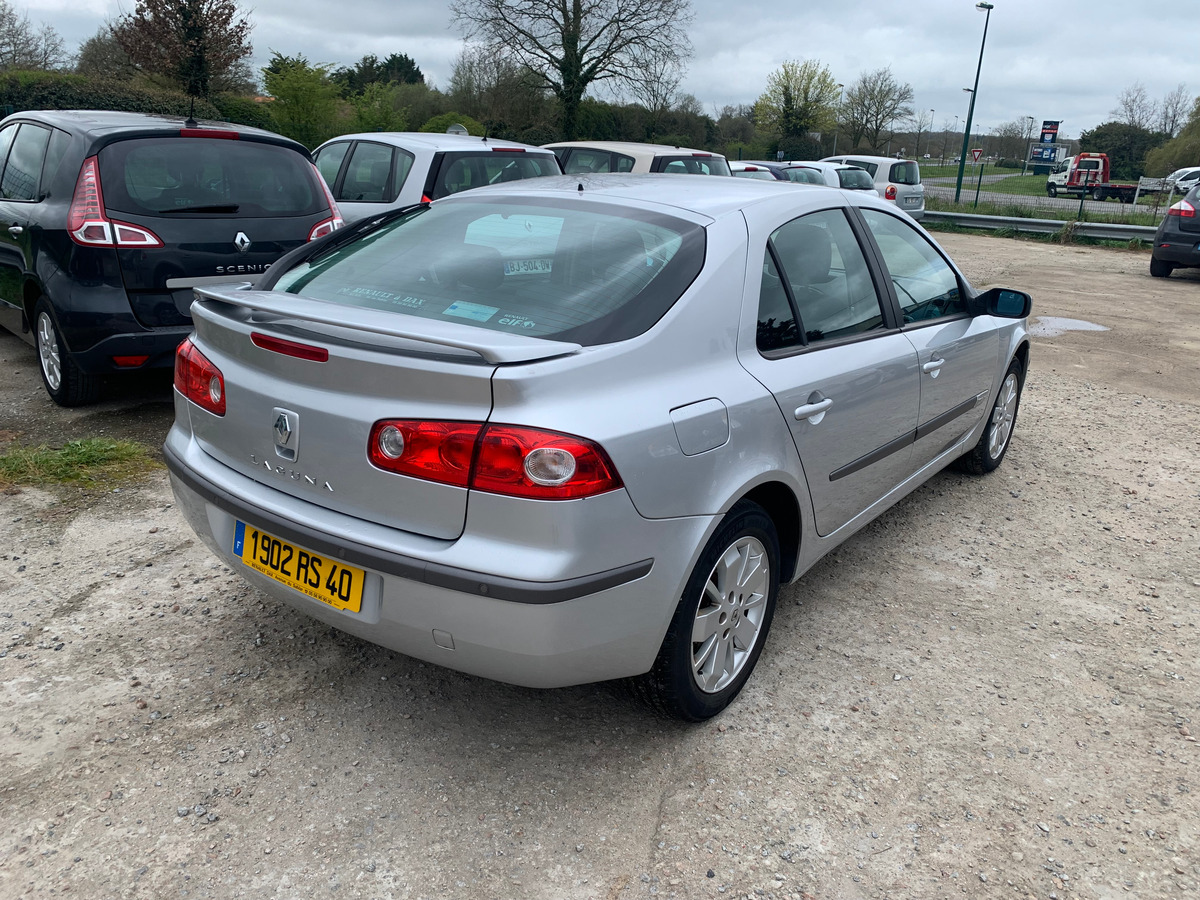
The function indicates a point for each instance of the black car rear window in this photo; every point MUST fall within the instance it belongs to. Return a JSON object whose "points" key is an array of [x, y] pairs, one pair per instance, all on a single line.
{"points": [[463, 171], [242, 179], [588, 273]]}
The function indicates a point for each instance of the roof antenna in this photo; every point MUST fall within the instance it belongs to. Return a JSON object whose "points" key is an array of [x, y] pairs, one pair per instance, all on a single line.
{"points": [[191, 119], [581, 187]]}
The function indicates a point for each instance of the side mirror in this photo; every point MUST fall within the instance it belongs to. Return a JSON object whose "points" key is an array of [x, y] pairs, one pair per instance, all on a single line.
{"points": [[1005, 303]]}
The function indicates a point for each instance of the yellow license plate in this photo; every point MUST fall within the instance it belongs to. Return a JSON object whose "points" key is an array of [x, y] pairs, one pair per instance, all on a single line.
{"points": [[324, 579]]}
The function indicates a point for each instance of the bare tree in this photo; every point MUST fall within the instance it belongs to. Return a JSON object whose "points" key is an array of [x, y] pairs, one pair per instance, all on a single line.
{"points": [[1173, 111], [872, 104], [658, 88], [496, 90], [1134, 107], [922, 120], [573, 44], [202, 45], [100, 56], [24, 46]]}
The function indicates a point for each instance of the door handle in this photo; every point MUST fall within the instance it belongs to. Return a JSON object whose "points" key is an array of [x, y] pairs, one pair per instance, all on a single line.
{"points": [[808, 410], [16, 230], [932, 366]]}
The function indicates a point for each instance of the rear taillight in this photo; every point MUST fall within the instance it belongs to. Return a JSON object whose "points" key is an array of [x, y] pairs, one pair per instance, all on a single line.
{"points": [[890, 193], [209, 133], [89, 224], [508, 149], [500, 459], [289, 348], [335, 221], [433, 451], [705, 155], [425, 198], [198, 379], [1183, 209]]}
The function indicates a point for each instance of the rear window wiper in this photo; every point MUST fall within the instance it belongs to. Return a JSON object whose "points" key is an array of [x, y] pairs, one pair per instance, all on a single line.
{"points": [[214, 208]]}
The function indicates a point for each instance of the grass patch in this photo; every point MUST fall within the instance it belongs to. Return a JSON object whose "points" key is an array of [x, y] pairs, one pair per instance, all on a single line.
{"points": [[91, 462]]}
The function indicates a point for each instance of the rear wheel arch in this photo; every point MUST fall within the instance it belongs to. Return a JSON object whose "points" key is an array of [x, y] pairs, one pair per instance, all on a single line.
{"points": [[780, 503]]}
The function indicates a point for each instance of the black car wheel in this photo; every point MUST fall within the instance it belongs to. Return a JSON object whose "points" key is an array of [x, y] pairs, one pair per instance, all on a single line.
{"points": [[1160, 268], [993, 443], [721, 623], [65, 382], [1052, 190]]}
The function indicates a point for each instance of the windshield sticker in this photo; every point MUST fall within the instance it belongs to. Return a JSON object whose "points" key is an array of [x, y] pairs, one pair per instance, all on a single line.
{"points": [[383, 297], [474, 311], [516, 321], [528, 266]]}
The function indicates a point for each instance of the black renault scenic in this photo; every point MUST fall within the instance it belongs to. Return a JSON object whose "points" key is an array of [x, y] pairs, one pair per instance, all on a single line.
{"points": [[109, 219]]}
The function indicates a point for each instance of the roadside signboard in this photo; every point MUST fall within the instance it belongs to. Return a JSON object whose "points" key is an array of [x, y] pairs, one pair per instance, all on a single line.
{"points": [[976, 152], [1050, 131]]}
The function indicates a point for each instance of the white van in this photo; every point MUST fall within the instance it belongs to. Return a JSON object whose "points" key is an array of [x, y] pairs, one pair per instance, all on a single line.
{"points": [[897, 180]]}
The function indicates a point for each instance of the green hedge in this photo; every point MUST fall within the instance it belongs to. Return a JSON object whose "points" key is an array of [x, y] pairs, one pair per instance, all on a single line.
{"points": [[53, 90]]}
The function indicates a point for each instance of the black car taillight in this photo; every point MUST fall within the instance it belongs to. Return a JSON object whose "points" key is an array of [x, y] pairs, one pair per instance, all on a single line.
{"points": [[88, 222]]}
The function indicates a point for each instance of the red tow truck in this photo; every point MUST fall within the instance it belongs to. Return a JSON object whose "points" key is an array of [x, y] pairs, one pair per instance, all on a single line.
{"points": [[1088, 173]]}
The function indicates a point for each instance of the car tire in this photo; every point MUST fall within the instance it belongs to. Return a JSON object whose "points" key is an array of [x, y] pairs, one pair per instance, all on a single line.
{"points": [[64, 381], [1098, 193], [729, 601], [1051, 190], [989, 452], [1160, 268]]}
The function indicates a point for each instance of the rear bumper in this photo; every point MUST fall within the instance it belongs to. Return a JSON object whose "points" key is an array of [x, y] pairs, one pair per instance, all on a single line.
{"points": [[1179, 249], [594, 624]]}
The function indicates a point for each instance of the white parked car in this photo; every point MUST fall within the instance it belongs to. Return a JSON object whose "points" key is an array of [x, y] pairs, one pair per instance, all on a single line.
{"points": [[591, 157], [840, 175], [897, 180], [373, 172]]}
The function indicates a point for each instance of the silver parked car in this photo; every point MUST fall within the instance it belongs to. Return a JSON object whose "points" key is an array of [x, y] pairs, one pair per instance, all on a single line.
{"points": [[582, 428]]}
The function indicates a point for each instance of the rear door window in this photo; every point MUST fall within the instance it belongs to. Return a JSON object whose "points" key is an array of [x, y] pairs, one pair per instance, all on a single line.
{"points": [[541, 269], [373, 174], [464, 171], [23, 171], [329, 161], [691, 165], [242, 179]]}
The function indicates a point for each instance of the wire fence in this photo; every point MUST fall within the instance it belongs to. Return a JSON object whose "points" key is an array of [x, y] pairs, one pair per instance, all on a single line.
{"points": [[1007, 192]]}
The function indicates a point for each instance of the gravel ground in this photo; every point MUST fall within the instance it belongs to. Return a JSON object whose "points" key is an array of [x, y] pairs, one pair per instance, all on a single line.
{"points": [[990, 692]]}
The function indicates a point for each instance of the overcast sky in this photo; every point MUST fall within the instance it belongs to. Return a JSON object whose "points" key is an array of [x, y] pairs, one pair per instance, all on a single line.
{"points": [[1029, 67]]}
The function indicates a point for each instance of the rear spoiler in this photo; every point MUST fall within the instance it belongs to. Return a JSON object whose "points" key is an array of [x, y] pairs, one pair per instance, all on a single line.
{"points": [[494, 346]]}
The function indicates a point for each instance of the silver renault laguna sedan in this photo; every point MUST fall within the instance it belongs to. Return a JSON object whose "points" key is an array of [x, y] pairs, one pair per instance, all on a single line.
{"points": [[582, 428]]}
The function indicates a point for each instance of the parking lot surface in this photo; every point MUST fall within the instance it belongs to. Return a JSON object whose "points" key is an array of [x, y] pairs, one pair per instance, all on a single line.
{"points": [[992, 691]]}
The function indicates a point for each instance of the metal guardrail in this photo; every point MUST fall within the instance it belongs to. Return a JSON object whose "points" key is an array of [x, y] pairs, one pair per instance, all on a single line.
{"points": [[1107, 231]]}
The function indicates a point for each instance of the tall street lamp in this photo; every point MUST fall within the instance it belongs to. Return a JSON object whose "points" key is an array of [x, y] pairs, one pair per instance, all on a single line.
{"points": [[962, 161], [837, 120], [1028, 135]]}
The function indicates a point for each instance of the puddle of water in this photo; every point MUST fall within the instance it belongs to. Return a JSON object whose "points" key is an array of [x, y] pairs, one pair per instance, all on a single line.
{"points": [[1053, 326]]}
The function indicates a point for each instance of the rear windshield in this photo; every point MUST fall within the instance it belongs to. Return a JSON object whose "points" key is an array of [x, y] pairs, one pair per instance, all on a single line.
{"points": [[905, 173], [803, 175], [863, 164], [855, 179], [463, 171], [760, 174], [693, 165], [583, 160], [593, 275], [243, 179]]}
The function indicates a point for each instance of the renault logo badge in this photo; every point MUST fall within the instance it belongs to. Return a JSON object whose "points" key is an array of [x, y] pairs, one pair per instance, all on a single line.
{"points": [[283, 430], [241, 242]]}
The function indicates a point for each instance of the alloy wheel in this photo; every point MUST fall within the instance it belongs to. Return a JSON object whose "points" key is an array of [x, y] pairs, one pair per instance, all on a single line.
{"points": [[47, 345], [730, 614]]}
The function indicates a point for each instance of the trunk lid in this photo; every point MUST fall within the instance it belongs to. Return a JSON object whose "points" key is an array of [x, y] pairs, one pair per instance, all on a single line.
{"points": [[380, 366]]}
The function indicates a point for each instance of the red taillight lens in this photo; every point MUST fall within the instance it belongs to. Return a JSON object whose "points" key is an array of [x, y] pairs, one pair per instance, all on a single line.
{"points": [[198, 379], [290, 348], [209, 133], [434, 451], [88, 223], [500, 459], [335, 221], [890, 193], [546, 465], [1183, 209], [508, 149], [129, 362]]}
